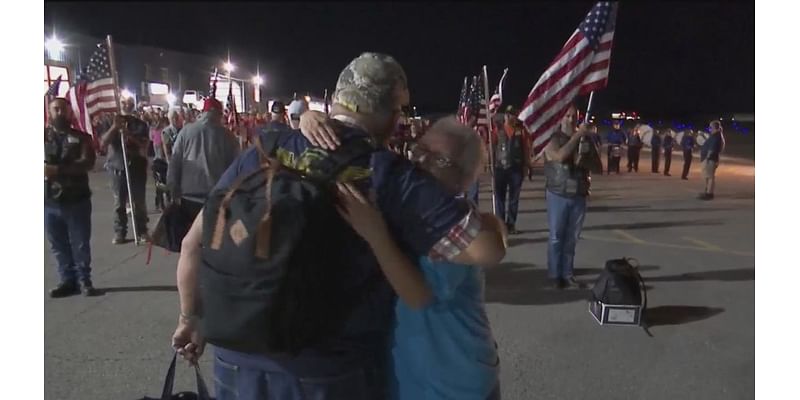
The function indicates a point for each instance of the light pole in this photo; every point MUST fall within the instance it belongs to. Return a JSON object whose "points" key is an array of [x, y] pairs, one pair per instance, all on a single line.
{"points": [[229, 67], [54, 47], [257, 82]]}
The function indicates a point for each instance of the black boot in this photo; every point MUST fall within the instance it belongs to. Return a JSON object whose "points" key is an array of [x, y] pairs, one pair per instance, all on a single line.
{"points": [[119, 238], [88, 289], [64, 289], [512, 230], [572, 283]]}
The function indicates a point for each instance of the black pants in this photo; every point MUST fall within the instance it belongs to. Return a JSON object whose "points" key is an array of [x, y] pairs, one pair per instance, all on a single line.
{"points": [[119, 188], [655, 153], [667, 160], [613, 162], [508, 184], [687, 163], [633, 158]]}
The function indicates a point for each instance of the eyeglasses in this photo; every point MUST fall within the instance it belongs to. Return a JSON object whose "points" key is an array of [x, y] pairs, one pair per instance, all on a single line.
{"points": [[423, 154]]}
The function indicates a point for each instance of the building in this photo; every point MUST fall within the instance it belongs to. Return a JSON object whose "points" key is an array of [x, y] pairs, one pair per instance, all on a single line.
{"points": [[151, 75]]}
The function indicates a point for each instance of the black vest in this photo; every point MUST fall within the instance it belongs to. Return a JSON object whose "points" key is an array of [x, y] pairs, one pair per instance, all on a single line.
{"points": [[509, 152], [65, 149], [566, 179]]}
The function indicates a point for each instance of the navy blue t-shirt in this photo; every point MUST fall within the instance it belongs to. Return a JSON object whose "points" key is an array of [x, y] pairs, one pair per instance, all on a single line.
{"points": [[687, 142], [616, 137], [668, 142], [655, 141], [418, 211], [711, 148]]}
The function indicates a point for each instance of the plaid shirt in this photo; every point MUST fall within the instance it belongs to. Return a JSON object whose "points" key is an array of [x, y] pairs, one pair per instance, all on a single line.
{"points": [[459, 237]]}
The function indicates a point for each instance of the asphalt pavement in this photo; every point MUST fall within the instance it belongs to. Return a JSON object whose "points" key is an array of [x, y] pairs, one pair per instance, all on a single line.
{"points": [[697, 259]]}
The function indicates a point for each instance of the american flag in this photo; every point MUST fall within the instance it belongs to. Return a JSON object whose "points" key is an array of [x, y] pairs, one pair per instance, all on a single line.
{"points": [[497, 98], [94, 92], [52, 93], [463, 102], [233, 116], [581, 67], [480, 102], [213, 91]]}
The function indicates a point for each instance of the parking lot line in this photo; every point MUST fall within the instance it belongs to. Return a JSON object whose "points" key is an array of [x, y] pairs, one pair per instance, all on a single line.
{"points": [[703, 244], [628, 236], [670, 245]]}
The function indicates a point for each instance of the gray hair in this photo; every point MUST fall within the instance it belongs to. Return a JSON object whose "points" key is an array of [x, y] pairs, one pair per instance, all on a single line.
{"points": [[173, 113], [463, 156], [369, 83]]}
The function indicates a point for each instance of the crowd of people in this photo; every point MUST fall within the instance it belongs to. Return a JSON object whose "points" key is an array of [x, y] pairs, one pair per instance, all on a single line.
{"points": [[398, 223], [663, 142]]}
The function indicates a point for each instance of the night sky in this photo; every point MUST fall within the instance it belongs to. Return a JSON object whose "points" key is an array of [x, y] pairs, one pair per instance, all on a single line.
{"points": [[669, 58]]}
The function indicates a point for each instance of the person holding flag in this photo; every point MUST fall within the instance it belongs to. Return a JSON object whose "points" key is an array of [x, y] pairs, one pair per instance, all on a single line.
{"points": [[137, 139], [581, 67]]}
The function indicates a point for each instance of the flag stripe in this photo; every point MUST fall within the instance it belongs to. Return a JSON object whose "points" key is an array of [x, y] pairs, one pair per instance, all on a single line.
{"points": [[564, 68], [101, 98], [568, 55], [582, 65], [94, 91], [102, 106], [555, 92], [100, 84], [562, 100]]}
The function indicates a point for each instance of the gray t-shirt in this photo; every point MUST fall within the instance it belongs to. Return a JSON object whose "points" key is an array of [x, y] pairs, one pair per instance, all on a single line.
{"points": [[201, 154], [136, 128]]}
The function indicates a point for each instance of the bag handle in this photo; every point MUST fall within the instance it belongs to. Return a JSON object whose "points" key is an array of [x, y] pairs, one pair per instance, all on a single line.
{"points": [[169, 381], [644, 294]]}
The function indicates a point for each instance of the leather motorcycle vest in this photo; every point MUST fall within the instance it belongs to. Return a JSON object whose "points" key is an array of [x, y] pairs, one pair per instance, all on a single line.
{"points": [[566, 179], [64, 149], [509, 152]]}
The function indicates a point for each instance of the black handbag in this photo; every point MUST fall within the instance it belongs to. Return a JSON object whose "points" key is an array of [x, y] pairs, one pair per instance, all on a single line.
{"points": [[170, 229], [169, 380]]}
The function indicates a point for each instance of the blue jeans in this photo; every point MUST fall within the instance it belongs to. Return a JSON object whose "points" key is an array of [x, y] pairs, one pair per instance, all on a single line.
{"points": [[68, 228], [507, 184], [565, 217], [240, 376]]}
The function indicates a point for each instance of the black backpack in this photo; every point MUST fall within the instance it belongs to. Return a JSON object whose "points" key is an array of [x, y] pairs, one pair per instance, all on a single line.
{"points": [[621, 283], [274, 258]]}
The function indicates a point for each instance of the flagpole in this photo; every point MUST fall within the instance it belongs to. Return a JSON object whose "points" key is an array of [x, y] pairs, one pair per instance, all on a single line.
{"points": [[489, 125], [115, 79], [588, 107]]}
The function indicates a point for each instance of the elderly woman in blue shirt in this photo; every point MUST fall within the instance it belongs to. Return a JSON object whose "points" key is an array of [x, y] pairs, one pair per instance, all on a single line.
{"points": [[443, 346]]}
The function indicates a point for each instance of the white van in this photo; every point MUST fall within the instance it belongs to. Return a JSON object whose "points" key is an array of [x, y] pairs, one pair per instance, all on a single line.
{"points": [[193, 97]]}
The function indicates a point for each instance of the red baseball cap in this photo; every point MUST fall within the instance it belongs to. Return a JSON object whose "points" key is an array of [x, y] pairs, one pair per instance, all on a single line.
{"points": [[211, 104]]}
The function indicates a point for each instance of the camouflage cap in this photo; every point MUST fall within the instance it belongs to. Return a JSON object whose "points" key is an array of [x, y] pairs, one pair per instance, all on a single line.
{"points": [[367, 85]]}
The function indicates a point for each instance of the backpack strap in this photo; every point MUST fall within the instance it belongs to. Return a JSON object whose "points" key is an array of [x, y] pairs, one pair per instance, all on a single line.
{"points": [[331, 166], [269, 169]]}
